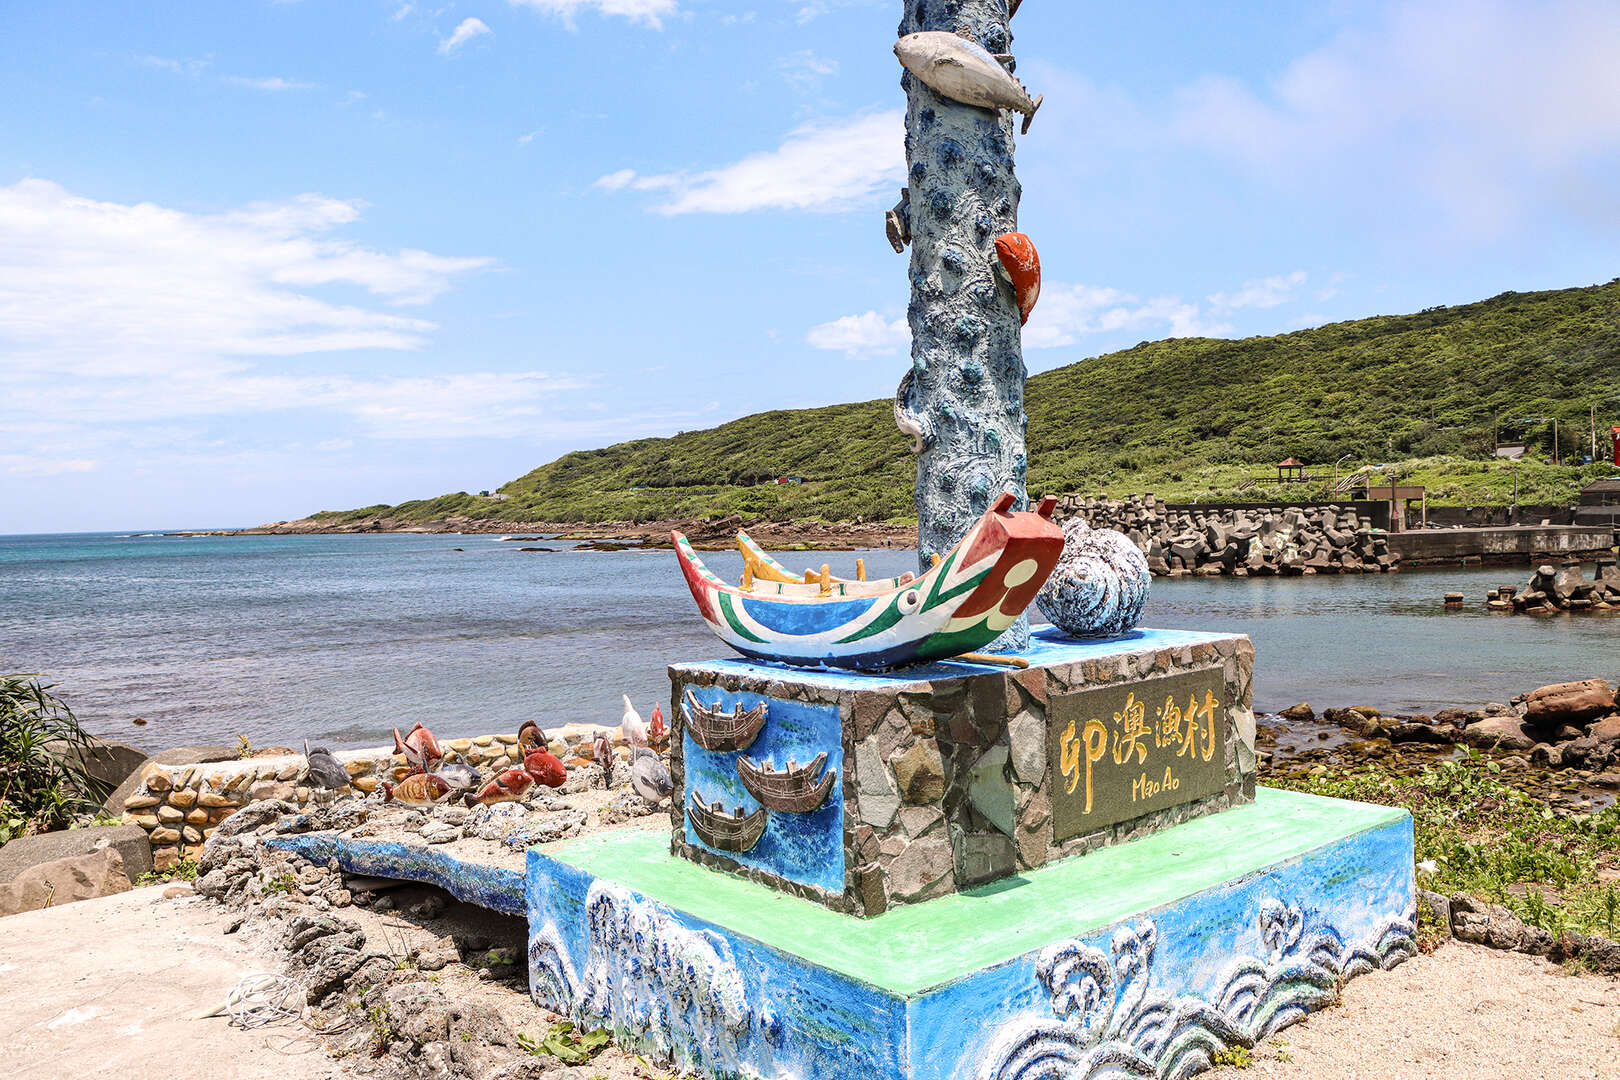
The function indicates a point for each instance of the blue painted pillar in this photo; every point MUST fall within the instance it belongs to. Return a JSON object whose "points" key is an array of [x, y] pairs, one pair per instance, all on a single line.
{"points": [[963, 399]]}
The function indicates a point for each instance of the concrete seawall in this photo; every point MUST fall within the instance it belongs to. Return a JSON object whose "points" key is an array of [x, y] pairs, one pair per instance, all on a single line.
{"points": [[1512, 545]]}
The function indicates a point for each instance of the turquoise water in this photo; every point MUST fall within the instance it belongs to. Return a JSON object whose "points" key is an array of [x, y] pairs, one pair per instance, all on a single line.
{"points": [[342, 637]]}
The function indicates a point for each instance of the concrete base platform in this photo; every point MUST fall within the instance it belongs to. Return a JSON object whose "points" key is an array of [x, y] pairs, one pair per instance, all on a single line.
{"points": [[1138, 960]]}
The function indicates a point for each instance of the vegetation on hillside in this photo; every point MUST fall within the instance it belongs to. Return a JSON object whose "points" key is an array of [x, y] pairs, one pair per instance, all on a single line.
{"points": [[1185, 418]]}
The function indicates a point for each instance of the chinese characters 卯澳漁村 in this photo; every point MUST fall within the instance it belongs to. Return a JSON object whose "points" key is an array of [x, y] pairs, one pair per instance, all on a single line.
{"points": [[1175, 728]]}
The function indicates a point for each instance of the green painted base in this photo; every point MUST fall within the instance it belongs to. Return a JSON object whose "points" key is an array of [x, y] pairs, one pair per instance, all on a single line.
{"points": [[1286, 881]]}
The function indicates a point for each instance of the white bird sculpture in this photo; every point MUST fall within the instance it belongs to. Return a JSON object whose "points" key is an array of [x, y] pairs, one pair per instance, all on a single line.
{"points": [[632, 727]]}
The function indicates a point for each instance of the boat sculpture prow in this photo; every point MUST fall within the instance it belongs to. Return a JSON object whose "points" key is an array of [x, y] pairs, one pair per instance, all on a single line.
{"points": [[967, 599]]}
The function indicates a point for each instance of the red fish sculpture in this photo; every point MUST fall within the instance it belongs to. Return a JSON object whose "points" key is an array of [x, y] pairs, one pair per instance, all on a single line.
{"points": [[421, 749], [1021, 266], [545, 768], [418, 789], [657, 730], [508, 786], [530, 736]]}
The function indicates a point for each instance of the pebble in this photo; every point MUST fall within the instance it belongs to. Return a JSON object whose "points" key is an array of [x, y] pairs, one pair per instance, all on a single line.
{"points": [[440, 832]]}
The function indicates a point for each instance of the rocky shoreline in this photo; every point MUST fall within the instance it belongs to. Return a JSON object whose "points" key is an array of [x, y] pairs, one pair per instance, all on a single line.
{"points": [[1559, 744], [706, 534]]}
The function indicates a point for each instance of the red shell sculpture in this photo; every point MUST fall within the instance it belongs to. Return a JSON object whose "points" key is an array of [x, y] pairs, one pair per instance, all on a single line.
{"points": [[1023, 269]]}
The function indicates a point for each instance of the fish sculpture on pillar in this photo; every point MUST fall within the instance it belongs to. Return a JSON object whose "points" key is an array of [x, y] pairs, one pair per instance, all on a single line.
{"points": [[962, 401]]}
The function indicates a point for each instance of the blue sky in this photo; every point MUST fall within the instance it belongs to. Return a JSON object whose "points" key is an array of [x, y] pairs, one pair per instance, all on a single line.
{"points": [[258, 259]]}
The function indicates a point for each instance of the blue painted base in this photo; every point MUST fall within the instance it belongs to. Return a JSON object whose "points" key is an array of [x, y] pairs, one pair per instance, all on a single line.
{"points": [[493, 887], [1141, 960]]}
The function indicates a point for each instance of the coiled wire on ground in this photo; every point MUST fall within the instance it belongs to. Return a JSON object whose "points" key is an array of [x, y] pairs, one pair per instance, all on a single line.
{"points": [[264, 997]]}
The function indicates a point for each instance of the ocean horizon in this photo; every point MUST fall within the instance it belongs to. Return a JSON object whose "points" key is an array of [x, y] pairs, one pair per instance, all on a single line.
{"points": [[340, 637]]}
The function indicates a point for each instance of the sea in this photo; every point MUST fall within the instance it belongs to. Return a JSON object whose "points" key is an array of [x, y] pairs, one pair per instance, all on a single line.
{"points": [[162, 641]]}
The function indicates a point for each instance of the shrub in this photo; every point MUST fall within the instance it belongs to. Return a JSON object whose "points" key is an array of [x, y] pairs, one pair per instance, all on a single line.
{"points": [[43, 783]]}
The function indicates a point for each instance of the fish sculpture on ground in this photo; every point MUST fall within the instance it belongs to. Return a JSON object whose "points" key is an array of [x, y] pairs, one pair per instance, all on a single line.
{"points": [[1021, 266], [461, 777], [545, 767], [418, 789], [962, 70], [631, 726], [531, 735], [649, 779], [960, 605], [324, 769], [657, 729], [510, 785], [420, 748], [602, 751]]}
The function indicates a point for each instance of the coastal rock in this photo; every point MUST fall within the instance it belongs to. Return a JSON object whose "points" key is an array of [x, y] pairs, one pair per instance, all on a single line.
{"points": [[1569, 703], [1502, 732], [1302, 711]]}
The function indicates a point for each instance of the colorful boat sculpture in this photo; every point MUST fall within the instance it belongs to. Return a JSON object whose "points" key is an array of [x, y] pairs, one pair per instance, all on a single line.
{"points": [[972, 594], [794, 790], [736, 832], [721, 731]]}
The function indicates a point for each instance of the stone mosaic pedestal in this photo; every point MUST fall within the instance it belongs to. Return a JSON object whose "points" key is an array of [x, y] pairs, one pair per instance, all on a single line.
{"points": [[1140, 959], [955, 774]]}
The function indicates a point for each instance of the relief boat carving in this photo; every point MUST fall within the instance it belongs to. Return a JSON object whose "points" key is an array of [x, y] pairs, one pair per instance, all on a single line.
{"points": [[715, 729], [735, 832], [794, 790]]}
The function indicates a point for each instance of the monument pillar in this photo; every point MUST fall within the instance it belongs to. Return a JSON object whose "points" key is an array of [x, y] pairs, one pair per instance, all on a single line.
{"points": [[963, 399]]}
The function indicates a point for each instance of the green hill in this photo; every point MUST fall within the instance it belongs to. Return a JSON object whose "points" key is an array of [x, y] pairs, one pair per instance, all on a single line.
{"points": [[1184, 418]]}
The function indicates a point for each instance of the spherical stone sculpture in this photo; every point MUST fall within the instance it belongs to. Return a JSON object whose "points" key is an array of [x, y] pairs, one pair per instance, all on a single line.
{"points": [[1100, 585]]}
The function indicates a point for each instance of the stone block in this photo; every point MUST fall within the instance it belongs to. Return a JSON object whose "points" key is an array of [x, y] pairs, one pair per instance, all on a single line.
{"points": [[919, 773], [128, 840], [65, 881]]}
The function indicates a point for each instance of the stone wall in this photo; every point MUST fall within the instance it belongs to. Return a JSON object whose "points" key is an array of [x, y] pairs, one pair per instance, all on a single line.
{"points": [[180, 805], [1339, 538]]}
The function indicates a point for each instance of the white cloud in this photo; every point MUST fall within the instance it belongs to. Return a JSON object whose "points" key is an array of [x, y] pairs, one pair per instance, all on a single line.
{"points": [[529, 137], [275, 84], [827, 166], [23, 465], [128, 314], [464, 32], [401, 11], [1066, 313], [1487, 109], [804, 70], [647, 12], [867, 334], [1260, 293], [192, 68]]}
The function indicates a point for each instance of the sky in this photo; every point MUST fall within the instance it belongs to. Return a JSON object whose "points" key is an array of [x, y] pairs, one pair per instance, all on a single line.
{"points": [[263, 258]]}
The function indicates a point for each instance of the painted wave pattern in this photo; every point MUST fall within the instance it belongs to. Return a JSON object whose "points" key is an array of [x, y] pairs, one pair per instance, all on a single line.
{"points": [[1109, 1024], [676, 991]]}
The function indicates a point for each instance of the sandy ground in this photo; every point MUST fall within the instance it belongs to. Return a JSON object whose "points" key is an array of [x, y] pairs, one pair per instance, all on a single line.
{"points": [[1464, 1013], [103, 988]]}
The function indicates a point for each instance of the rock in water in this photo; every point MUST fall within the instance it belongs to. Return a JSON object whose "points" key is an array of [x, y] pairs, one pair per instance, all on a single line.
{"points": [[1100, 585]]}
